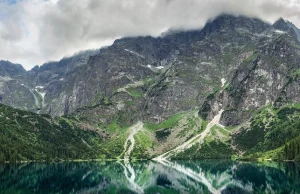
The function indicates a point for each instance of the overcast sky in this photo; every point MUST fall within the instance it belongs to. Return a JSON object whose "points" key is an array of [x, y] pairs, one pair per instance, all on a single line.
{"points": [[36, 31]]}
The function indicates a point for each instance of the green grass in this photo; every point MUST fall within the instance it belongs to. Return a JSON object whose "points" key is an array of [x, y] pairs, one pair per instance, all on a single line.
{"points": [[118, 124], [214, 134], [213, 131], [203, 124], [115, 146], [297, 72], [135, 92], [252, 57], [230, 128], [224, 132], [113, 126], [290, 105], [149, 81], [262, 156], [169, 123], [297, 105], [143, 143]]}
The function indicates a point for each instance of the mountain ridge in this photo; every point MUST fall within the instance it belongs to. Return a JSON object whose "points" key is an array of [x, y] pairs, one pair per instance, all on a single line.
{"points": [[175, 85]]}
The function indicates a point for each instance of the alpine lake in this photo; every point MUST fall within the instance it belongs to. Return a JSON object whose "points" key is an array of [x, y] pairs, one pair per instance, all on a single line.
{"points": [[164, 177]]}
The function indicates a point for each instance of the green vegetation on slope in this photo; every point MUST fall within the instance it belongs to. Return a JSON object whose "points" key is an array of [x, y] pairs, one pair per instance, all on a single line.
{"points": [[216, 146], [28, 136], [291, 150], [135, 92], [272, 133], [143, 142], [215, 149], [169, 123]]}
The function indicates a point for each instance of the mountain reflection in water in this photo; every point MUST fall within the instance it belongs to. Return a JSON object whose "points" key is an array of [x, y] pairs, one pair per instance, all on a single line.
{"points": [[207, 176]]}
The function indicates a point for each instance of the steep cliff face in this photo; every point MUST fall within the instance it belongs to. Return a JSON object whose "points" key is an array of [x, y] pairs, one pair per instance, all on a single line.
{"points": [[205, 65], [268, 76], [34, 89], [12, 88], [10, 69]]}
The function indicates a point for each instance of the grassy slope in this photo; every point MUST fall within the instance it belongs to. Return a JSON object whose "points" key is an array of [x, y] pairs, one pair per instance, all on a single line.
{"points": [[169, 123], [271, 134], [29, 136], [215, 146], [157, 138]]}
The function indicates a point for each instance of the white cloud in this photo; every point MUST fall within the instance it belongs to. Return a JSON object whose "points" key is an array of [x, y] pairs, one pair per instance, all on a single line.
{"points": [[35, 31]]}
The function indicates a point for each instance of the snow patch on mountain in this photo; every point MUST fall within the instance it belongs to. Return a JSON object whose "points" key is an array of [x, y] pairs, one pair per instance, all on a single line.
{"points": [[160, 67], [279, 32], [223, 81], [135, 53]]}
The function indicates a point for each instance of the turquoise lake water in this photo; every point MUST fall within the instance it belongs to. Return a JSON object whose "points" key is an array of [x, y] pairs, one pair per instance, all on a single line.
{"points": [[209, 176]]}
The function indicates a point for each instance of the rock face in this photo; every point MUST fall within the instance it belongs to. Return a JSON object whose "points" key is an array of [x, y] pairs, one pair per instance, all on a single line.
{"points": [[269, 76], [234, 63], [281, 25], [10, 69], [12, 88], [297, 31]]}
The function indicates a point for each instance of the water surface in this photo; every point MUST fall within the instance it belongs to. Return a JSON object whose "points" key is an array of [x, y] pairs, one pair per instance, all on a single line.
{"points": [[208, 176]]}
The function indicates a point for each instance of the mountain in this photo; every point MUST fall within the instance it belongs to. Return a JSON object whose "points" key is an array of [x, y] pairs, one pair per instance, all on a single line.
{"points": [[297, 31], [10, 69], [212, 89]]}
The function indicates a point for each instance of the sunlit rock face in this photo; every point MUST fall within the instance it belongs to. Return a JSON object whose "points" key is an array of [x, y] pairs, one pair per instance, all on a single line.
{"points": [[235, 63]]}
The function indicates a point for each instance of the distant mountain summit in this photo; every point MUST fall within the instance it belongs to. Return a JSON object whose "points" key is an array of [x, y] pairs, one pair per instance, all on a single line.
{"points": [[11, 69], [281, 25]]}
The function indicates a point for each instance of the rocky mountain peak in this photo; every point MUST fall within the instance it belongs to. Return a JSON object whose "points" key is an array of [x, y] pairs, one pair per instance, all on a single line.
{"points": [[35, 68], [280, 24], [284, 26], [10, 69], [226, 22]]}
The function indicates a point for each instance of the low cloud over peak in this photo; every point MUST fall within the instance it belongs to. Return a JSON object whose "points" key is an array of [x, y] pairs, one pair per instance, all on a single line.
{"points": [[35, 31]]}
